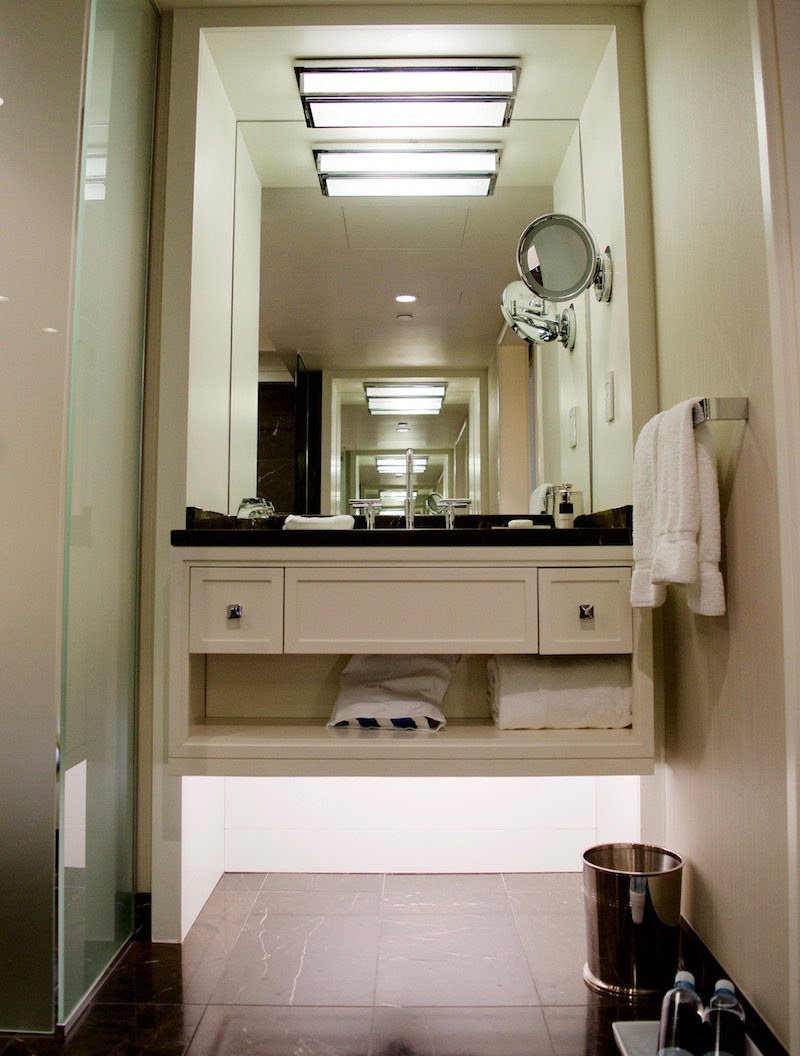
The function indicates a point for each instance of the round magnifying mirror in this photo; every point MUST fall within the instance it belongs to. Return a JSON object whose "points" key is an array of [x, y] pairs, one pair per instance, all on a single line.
{"points": [[433, 502], [558, 258]]}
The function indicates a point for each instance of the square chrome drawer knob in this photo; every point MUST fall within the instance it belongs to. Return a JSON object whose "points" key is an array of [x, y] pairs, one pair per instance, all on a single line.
{"points": [[586, 612], [234, 612]]}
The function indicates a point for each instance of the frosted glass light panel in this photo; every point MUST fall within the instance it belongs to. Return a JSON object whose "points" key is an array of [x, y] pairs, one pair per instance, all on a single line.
{"points": [[95, 889]]}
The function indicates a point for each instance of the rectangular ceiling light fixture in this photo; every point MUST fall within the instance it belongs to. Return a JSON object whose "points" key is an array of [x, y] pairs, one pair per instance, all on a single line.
{"points": [[417, 93], [452, 170], [405, 399], [396, 464]]}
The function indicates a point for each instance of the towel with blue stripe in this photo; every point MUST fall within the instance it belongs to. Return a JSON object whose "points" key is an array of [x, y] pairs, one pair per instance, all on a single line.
{"points": [[392, 692]]}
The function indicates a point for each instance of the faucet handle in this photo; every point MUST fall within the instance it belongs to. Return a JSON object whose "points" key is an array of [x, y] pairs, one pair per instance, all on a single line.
{"points": [[369, 506], [449, 506]]}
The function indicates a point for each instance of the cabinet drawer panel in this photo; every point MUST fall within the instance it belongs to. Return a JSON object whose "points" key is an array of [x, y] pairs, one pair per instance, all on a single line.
{"points": [[236, 610], [585, 610], [426, 610]]}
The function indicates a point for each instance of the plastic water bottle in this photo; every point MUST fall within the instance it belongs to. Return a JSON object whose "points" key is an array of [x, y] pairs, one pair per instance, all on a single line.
{"points": [[723, 1022], [680, 1029]]}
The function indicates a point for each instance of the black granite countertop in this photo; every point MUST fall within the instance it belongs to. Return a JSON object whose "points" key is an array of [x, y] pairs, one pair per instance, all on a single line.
{"points": [[608, 528]]}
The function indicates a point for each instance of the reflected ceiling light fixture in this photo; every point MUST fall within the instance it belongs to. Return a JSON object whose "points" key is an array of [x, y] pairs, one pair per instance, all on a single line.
{"points": [[94, 187], [403, 427], [405, 399], [405, 298], [451, 170], [402, 93], [392, 497], [396, 464]]}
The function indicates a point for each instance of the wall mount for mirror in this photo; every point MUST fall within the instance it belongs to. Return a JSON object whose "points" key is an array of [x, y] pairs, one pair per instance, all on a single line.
{"points": [[558, 258], [526, 314]]}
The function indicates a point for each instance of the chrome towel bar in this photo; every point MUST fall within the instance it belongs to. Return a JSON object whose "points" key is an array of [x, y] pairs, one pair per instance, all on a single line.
{"points": [[721, 409]]}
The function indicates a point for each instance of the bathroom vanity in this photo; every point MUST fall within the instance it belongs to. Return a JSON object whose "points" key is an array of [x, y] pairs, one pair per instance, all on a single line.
{"points": [[262, 623]]}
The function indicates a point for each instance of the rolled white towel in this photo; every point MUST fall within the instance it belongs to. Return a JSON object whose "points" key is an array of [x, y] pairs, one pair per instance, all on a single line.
{"points": [[339, 522], [388, 691], [559, 692], [538, 500]]}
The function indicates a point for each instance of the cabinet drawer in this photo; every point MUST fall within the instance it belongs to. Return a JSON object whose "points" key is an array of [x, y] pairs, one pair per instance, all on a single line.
{"points": [[236, 610], [585, 610], [403, 610]]}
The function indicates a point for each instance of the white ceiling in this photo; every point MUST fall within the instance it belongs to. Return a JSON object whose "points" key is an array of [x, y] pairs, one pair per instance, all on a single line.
{"points": [[331, 268]]}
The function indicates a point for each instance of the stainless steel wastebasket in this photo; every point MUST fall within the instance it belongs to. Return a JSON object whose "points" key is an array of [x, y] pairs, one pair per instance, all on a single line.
{"points": [[632, 901]]}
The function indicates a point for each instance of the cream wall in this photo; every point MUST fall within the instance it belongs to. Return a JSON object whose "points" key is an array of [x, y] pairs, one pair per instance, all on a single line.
{"points": [[724, 688]]}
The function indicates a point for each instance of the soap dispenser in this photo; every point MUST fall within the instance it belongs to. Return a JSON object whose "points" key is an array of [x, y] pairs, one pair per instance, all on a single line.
{"points": [[563, 508]]}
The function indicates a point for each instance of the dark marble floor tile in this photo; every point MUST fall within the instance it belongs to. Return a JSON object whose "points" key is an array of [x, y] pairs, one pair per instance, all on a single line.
{"points": [[587, 1030], [451, 959], [460, 1032], [316, 903], [545, 892], [157, 1030], [245, 1030], [555, 946], [30, 1045], [323, 882], [444, 893], [296, 959], [242, 881], [155, 973], [118, 1030]]}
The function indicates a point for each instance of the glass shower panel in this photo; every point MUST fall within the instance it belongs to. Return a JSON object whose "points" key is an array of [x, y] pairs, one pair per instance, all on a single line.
{"points": [[99, 678]]}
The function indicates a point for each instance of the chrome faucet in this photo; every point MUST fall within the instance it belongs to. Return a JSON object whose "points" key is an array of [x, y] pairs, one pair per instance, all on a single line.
{"points": [[409, 488]]}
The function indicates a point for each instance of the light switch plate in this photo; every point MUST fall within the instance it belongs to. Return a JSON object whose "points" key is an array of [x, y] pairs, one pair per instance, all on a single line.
{"points": [[610, 396], [573, 427]]}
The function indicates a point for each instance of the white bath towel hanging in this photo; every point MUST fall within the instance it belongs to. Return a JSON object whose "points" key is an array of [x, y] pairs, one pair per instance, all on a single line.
{"points": [[645, 593], [676, 517], [675, 558], [706, 596]]}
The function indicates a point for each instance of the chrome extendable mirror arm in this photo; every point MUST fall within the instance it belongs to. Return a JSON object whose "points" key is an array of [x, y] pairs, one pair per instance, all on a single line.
{"points": [[527, 316], [542, 330]]}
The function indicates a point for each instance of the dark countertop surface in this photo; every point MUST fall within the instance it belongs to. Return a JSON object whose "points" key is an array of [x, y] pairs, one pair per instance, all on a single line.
{"points": [[609, 528]]}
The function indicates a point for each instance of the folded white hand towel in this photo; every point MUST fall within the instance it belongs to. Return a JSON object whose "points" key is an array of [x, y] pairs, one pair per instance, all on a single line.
{"points": [[706, 596], [645, 593], [340, 521], [559, 692], [678, 498], [538, 500]]}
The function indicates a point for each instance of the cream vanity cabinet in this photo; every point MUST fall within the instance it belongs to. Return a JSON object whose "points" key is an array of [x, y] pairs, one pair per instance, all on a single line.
{"points": [[259, 636]]}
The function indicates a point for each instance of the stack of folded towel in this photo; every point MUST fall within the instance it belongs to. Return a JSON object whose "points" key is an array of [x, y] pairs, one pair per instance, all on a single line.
{"points": [[400, 692], [676, 520], [559, 692]]}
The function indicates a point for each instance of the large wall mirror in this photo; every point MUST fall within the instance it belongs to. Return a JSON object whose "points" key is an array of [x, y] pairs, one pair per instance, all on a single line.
{"points": [[329, 270]]}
